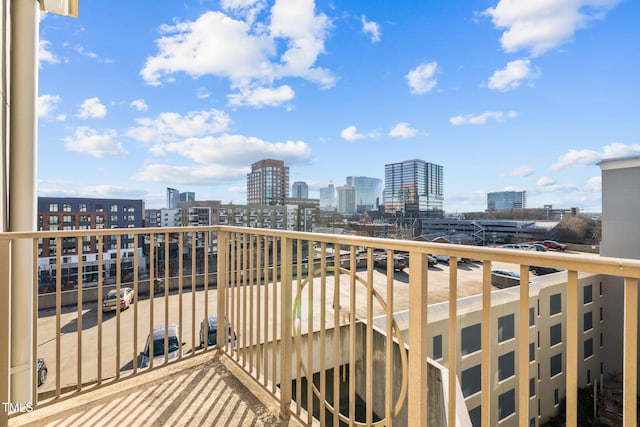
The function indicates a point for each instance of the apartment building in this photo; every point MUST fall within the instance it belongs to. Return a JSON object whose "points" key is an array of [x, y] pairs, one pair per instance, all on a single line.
{"points": [[547, 341]]}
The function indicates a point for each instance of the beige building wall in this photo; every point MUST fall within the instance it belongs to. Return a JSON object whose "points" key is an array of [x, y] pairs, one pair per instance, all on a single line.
{"points": [[548, 390], [620, 238]]}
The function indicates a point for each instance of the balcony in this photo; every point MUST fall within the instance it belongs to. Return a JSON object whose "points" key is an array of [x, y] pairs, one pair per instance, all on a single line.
{"points": [[311, 322]]}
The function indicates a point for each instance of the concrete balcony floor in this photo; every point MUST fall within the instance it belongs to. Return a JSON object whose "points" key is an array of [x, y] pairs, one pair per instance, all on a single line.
{"points": [[204, 390]]}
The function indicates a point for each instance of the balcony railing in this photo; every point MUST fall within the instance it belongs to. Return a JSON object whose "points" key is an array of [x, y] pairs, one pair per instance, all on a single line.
{"points": [[312, 320]]}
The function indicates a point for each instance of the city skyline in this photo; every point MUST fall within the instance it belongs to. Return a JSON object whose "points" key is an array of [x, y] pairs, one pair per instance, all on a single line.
{"points": [[191, 94]]}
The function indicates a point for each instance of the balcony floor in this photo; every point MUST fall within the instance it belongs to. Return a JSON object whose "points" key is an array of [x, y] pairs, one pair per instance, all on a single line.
{"points": [[199, 391]]}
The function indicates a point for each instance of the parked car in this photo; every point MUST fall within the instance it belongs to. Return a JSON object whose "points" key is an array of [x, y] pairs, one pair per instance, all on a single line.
{"points": [[158, 345], [126, 299], [399, 263], [539, 271], [432, 261], [442, 258], [506, 273], [540, 247], [42, 371], [212, 332], [552, 244]]}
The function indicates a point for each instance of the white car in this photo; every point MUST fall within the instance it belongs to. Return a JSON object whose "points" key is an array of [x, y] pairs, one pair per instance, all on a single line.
{"points": [[109, 303], [172, 350]]}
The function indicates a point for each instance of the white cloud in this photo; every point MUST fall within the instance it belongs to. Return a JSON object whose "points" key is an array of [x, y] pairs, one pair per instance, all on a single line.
{"points": [[172, 126], [594, 184], [234, 150], [210, 174], [481, 119], [248, 53], [402, 130], [512, 75], [545, 181], [263, 96], [202, 93], [47, 104], [45, 55], [538, 26], [590, 157], [371, 28], [521, 171], [422, 78], [89, 141], [350, 133], [92, 109], [139, 104]]}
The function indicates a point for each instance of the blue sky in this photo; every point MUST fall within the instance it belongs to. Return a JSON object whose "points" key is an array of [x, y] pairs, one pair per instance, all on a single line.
{"points": [[505, 95]]}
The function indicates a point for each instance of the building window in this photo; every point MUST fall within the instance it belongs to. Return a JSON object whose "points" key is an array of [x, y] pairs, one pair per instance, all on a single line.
{"points": [[470, 339], [588, 376], [588, 321], [506, 366], [588, 294], [532, 352], [82, 207], [532, 317], [66, 207], [470, 380], [53, 207], [437, 347], [99, 207], [555, 334], [588, 348], [556, 397], [506, 404], [114, 208], [556, 365], [475, 415], [532, 387], [53, 219], [506, 327], [555, 304]]}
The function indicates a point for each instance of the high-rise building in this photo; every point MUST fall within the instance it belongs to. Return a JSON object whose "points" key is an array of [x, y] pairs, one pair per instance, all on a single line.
{"points": [[173, 196], [506, 200], [187, 196], [268, 183], [368, 192], [328, 198], [414, 188], [346, 199], [300, 190]]}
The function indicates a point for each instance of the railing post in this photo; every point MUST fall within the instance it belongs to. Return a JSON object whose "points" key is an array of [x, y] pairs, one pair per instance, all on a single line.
{"points": [[222, 281], [630, 360], [572, 350], [286, 332], [5, 328], [418, 386]]}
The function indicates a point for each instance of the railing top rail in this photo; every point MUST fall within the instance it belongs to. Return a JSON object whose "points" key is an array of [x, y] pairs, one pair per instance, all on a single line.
{"points": [[622, 267]]}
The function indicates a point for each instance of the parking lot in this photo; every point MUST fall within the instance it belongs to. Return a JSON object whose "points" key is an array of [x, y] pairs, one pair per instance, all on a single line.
{"points": [[192, 311]]}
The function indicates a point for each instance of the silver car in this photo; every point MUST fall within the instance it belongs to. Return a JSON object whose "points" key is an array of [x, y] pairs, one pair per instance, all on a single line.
{"points": [[172, 350]]}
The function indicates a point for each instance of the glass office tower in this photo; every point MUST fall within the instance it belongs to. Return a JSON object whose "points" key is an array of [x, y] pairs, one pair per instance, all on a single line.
{"points": [[414, 188]]}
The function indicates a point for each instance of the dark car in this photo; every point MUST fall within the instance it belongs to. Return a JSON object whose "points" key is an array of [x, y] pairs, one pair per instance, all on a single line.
{"points": [[540, 247], [540, 271], [552, 244], [399, 263], [42, 371]]}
